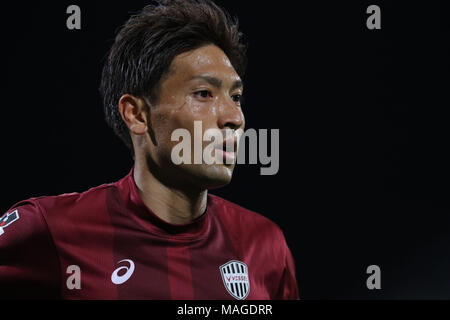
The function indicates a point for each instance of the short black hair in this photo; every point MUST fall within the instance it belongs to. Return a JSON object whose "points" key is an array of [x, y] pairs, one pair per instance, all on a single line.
{"points": [[146, 45]]}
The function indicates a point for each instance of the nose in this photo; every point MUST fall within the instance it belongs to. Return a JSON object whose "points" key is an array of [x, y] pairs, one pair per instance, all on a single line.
{"points": [[230, 115]]}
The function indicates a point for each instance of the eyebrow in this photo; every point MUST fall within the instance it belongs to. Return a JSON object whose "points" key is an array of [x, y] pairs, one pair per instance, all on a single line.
{"points": [[218, 83]]}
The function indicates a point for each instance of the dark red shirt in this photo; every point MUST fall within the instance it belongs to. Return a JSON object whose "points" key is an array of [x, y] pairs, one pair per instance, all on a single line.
{"points": [[119, 249]]}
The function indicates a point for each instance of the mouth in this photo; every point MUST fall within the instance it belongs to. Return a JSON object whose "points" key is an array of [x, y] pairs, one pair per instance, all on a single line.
{"points": [[227, 150]]}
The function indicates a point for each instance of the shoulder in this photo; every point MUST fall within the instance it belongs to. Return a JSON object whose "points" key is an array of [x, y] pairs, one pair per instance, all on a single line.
{"points": [[245, 221], [43, 210], [23, 218], [68, 202]]}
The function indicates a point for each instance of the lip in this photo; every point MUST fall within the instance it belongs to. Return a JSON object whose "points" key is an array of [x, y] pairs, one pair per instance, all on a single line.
{"points": [[225, 155], [221, 149], [223, 145]]}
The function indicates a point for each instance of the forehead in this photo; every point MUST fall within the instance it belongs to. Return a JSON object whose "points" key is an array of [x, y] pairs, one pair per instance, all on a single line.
{"points": [[208, 59]]}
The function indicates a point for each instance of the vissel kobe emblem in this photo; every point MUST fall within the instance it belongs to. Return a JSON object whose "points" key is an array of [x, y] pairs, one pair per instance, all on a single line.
{"points": [[235, 278]]}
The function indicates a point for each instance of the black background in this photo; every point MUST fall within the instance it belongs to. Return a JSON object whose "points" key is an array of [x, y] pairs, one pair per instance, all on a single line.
{"points": [[363, 122]]}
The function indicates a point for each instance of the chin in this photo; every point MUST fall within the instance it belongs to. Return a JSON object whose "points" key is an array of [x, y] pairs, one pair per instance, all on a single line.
{"points": [[213, 176]]}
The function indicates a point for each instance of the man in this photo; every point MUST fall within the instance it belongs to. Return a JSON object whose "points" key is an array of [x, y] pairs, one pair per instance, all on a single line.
{"points": [[156, 233]]}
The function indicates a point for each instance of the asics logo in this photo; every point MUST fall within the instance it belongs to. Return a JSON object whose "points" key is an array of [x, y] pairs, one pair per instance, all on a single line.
{"points": [[116, 279]]}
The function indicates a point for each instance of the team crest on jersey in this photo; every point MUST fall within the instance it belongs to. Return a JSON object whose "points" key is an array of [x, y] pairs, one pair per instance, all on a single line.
{"points": [[7, 219], [235, 278]]}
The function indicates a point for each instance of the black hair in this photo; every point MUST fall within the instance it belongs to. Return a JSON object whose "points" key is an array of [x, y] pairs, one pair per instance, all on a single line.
{"points": [[146, 45]]}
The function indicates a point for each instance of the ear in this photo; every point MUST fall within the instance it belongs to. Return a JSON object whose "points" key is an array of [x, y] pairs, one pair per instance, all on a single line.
{"points": [[134, 112]]}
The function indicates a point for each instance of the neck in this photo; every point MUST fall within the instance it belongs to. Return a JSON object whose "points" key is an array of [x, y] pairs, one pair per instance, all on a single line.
{"points": [[172, 205]]}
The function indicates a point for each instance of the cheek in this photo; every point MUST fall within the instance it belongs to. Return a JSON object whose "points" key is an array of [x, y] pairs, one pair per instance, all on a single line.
{"points": [[168, 118], [192, 110], [195, 108]]}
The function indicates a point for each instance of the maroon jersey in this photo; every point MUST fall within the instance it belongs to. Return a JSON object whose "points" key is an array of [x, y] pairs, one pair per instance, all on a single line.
{"points": [[105, 243]]}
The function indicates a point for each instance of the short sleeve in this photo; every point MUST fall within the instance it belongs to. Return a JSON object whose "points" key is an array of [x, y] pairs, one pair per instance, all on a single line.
{"points": [[29, 265]]}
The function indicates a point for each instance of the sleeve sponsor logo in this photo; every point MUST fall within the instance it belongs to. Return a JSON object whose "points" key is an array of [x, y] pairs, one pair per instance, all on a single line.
{"points": [[7, 219]]}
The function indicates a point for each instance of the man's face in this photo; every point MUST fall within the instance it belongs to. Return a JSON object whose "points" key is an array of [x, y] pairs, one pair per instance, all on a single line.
{"points": [[201, 85]]}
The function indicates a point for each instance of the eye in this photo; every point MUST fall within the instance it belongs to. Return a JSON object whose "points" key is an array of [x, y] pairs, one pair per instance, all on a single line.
{"points": [[203, 94], [237, 98]]}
